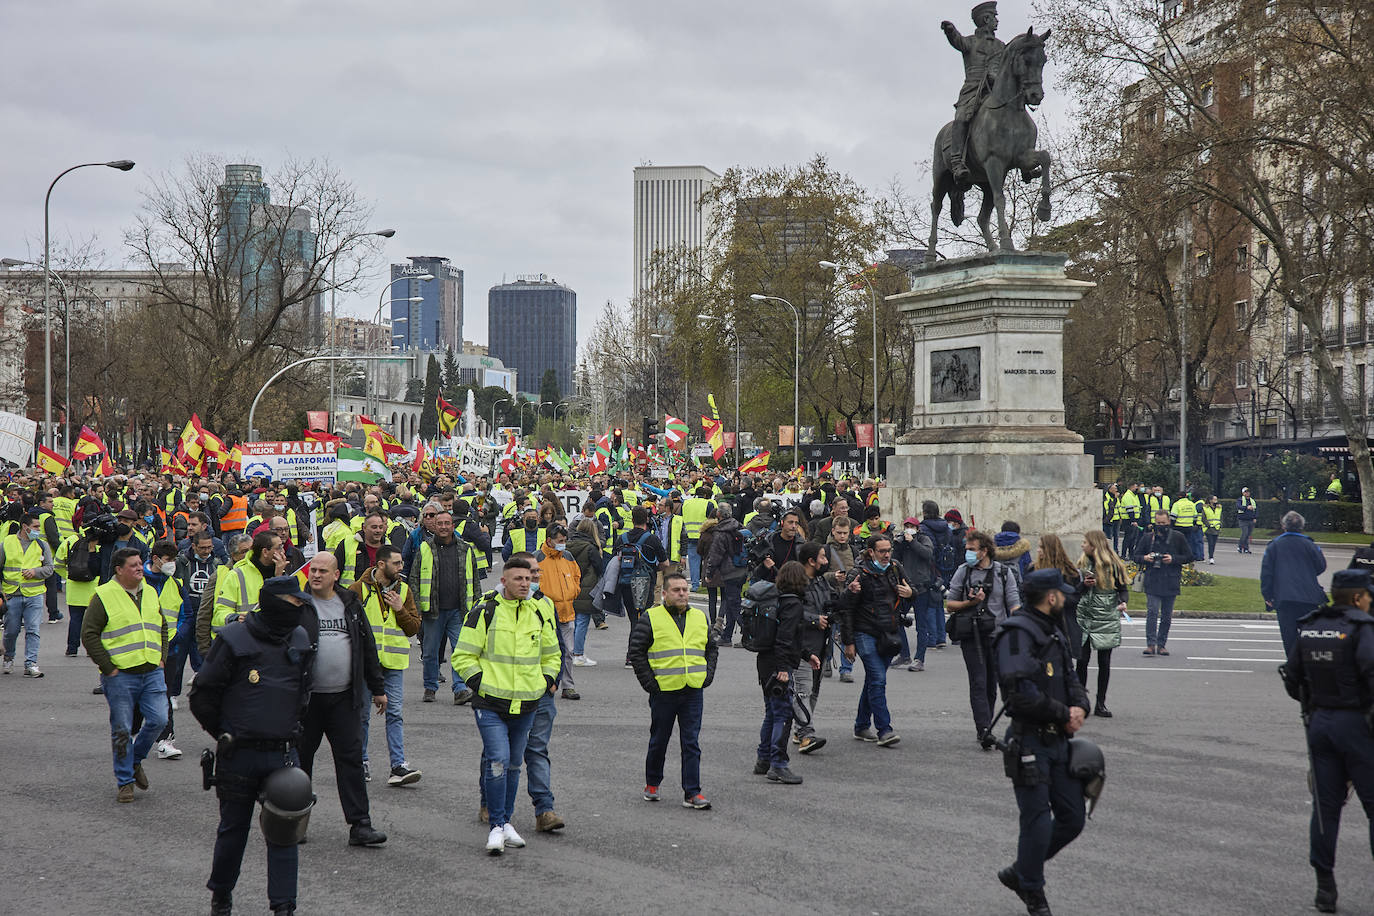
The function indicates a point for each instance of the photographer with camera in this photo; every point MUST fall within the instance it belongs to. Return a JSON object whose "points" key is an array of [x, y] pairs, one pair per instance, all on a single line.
{"points": [[915, 551], [1162, 553], [982, 593], [782, 545], [818, 611], [777, 660], [869, 621]]}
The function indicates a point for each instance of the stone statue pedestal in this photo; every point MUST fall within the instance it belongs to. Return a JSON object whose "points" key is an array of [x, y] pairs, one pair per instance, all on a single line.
{"points": [[988, 435]]}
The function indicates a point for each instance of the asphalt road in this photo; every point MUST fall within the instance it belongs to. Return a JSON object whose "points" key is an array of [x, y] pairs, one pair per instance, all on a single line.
{"points": [[1205, 810]]}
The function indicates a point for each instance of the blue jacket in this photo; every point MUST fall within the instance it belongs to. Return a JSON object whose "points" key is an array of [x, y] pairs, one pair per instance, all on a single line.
{"points": [[1292, 562]]}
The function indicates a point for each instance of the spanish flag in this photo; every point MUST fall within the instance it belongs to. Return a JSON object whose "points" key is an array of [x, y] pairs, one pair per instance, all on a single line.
{"points": [[826, 468], [448, 417], [715, 436], [106, 465], [50, 461], [233, 461], [758, 463], [315, 435], [88, 444], [189, 442]]}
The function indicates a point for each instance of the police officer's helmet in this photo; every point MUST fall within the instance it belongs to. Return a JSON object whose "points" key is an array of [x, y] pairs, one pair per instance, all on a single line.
{"points": [[286, 802], [1087, 765]]}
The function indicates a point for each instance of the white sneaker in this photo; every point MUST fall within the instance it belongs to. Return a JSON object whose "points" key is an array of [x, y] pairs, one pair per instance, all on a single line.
{"points": [[8, 667], [174, 704], [496, 841], [32, 671], [582, 661], [511, 837], [166, 750], [1212, 560]]}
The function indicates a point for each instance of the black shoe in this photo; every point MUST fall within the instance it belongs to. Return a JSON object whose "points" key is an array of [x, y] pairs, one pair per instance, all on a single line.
{"points": [[462, 697], [221, 904], [987, 743], [1102, 712], [783, 775], [1011, 882], [286, 909], [364, 834], [429, 697], [1036, 904], [1326, 892], [760, 767]]}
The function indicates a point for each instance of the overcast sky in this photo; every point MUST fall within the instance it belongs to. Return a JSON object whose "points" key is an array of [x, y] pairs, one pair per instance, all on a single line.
{"points": [[500, 135]]}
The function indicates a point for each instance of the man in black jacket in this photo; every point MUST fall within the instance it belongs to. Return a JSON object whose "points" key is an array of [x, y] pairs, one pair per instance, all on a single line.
{"points": [[782, 545], [346, 672], [776, 660], [1162, 553], [1047, 706], [817, 612], [868, 628], [675, 683]]}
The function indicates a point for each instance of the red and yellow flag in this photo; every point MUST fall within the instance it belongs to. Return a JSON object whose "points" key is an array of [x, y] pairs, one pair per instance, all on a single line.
{"points": [[87, 445], [758, 463], [448, 417], [714, 435], [50, 461]]}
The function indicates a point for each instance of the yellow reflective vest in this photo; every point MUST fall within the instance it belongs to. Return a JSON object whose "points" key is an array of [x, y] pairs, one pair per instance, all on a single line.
{"points": [[78, 593], [1185, 514], [426, 581], [393, 645], [64, 508], [678, 657], [236, 592], [1211, 517], [1128, 506], [19, 558], [169, 599], [133, 634], [513, 645], [694, 510]]}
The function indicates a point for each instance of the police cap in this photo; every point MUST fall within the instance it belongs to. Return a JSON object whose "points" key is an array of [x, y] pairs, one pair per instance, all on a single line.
{"points": [[1045, 580], [1351, 579], [283, 587]]}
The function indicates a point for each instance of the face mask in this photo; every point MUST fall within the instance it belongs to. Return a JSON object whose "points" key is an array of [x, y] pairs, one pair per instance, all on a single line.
{"points": [[909, 530], [560, 547], [205, 497], [168, 569], [148, 519], [281, 508], [971, 557], [881, 567]]}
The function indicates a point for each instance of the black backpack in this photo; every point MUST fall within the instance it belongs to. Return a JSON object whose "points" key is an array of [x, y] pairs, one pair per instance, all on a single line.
{"points": [[80, 565], [758, 617], [739, 549], [631, 556], [945, 558]]}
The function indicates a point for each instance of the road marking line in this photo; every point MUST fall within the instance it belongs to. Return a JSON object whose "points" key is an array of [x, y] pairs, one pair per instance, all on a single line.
{"points": [[1254, 649], [1198, 670], [1208, 658]]}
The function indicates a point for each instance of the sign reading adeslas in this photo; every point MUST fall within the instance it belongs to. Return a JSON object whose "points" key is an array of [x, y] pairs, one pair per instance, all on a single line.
{"points": [[291, 460]]}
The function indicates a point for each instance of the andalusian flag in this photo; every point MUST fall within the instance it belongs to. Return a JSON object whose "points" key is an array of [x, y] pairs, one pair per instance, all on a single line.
{"points": [[356, 464], [87, 445], [758, 463], [448, 417], [674, 431], [50, 461], [715, 436]]}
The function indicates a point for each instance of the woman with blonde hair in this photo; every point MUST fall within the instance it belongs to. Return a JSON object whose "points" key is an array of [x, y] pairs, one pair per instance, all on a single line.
{"points": [[1099, 611], [1052, 555]]}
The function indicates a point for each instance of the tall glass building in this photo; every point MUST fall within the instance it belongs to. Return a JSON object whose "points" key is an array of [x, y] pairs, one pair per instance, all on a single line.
{"points": [[436, 323], [531, 327]]}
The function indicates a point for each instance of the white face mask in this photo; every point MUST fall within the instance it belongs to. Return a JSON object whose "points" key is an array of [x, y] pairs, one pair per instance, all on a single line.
{"points": [[169, 569]]}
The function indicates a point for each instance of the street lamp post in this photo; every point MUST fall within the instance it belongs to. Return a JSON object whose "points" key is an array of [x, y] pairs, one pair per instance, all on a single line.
{"points": [[123, 165], [873, 295], [282, 371], [67, 340], [735, 332], [334, 312], [796, 375], [377, 318], [493, 413]]}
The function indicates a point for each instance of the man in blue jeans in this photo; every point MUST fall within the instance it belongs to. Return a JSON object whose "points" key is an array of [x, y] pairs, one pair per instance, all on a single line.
{"points": [[27, 562], [126, 636], [868, 628], [444, 580], [1288, 577]]}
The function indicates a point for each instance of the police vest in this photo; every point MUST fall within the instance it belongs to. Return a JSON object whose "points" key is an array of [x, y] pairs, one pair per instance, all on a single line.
{"points": [[236, 517], [1328, 640], [133, 632], [678, 657], [694, 516], [1211, 517], [268, 684], [64, 508], [393, 645], [1049, 658], [1185, 514], [513, 644], [17, 559], [467, 575], [236, 592]]}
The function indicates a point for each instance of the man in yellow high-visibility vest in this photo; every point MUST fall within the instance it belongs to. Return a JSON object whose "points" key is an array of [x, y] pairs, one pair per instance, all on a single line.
{"points": [[695, 511], [126, 635], [391, 613], [674, 659], [27, 561]]}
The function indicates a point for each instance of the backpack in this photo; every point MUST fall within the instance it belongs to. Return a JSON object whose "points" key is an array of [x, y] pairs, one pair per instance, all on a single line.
{"points": [[631, 557], [945, 558], [80, 566], [739, 549], [758, 617]]}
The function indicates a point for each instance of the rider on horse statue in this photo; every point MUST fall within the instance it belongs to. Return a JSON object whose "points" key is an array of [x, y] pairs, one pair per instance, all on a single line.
{"points": [[982, 53]]}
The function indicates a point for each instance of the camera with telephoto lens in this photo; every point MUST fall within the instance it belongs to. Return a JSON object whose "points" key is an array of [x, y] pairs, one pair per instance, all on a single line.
{"points": [[1157, 562]]}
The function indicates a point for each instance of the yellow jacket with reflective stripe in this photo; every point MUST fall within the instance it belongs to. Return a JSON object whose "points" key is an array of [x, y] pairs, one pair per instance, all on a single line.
{"points": [[19, 558], [335, 532], [694, 515], [676, 525], [63, 508], [1185, 513], [236, 592], [1128, 507], [520, 539], [169, 599], [426, 581], [133, 635], [516, 653], [78, 593], [678, 657], [1211, 518], [393, 645]]}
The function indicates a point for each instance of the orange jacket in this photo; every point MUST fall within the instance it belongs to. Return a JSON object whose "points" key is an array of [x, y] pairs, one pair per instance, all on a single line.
{"points": [[561, 580]]}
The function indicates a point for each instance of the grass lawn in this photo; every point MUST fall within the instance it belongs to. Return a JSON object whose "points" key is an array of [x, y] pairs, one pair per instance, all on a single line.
{"points": [[1329, 537], [1231, 595]]}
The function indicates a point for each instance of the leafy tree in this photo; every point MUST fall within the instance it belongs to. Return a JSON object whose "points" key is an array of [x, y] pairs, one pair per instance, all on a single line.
{"points": [[429, 411], [548, 392], [451, 382], [415, 390]]}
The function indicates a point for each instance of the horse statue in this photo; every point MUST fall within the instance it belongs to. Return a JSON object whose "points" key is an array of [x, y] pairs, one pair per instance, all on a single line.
{"points": [[1001, 137]]}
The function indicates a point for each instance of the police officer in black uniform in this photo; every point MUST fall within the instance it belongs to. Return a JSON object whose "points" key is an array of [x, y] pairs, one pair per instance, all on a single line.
{"points": [[250, 695], [1331, 672], [1035, 667]]}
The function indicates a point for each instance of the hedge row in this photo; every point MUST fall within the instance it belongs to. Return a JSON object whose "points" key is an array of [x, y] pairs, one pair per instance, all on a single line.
{"points": [[1319, 515]]}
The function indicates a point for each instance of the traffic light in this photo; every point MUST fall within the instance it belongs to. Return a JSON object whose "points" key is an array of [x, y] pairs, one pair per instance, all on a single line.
{"points": [[650, 430], [617, 439]]}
